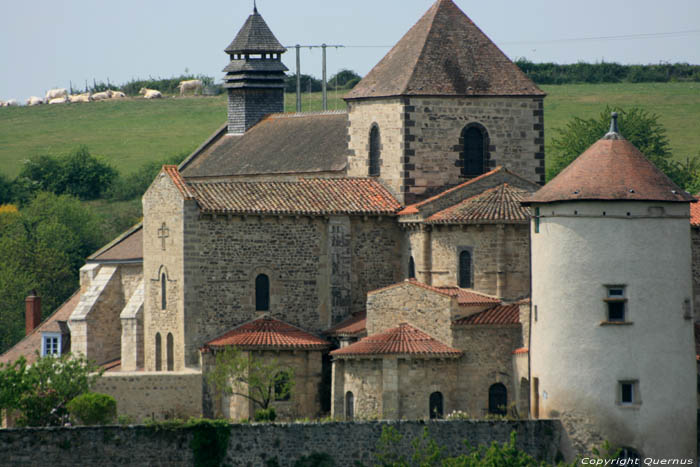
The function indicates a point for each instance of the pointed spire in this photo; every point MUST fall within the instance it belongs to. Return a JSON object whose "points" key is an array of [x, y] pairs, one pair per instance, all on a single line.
{"points": [[255, 7], [613, 133]]}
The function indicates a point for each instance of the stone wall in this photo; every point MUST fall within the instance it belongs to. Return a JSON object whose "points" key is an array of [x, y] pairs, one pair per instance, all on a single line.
{"points": [[434, 125], [156, 395], [280, 444], [305, 399], [487, 360]]}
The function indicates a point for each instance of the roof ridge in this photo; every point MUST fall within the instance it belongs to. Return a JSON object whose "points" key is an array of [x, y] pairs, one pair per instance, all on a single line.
{"points": [[306, 114], [419, 55]]}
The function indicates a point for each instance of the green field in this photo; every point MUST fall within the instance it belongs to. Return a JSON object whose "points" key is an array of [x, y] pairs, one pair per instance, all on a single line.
{"points": [[130, 131]]}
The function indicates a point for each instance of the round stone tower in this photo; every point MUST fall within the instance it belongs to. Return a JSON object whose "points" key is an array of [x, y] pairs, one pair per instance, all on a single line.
{"points": [[612, 349], [255, 75]]}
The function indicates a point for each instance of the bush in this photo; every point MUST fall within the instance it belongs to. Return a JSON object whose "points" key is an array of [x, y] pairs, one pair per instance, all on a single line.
{"points": [[93, 408], [265, 415]]}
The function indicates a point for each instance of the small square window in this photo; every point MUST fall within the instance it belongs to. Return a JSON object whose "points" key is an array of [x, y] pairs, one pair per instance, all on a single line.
{"points": [[616, 303], [51, 345], [628, 393]]}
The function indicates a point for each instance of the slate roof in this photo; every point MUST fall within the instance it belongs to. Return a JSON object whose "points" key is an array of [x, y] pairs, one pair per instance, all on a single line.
{"points": [[255, 37], [278, 144], [500, 314], [401, 340], [31, 343], [612, 169], [445, 54], [307, 196], [501, 203], [268, 333], [127, 247], [352, 326]]}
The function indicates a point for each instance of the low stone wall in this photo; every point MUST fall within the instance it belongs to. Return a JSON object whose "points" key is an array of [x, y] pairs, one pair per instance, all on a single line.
{"points": [[260, 444], [156, 395]]}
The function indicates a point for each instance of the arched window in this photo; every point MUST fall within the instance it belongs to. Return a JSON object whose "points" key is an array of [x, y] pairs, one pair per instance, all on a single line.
{"points": [[163, 292], [159, 355], [465, 269], [436, 409], [283, 390], [411, 268], [262, 293], [474, 142], [349, 406], [170, 351], [374, 151], [498, 399]]}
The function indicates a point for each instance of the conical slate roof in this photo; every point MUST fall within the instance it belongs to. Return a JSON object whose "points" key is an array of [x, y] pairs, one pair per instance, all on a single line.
{"points": [[255, 37], [612, 169], [445, 54]]}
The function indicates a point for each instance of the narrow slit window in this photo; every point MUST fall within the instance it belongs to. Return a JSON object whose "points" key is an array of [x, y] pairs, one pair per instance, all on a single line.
{"points": [[170, 351], [159, 355], [465, 269], [374, 151], [411, 268], [473, 154], [163, 292], [262, 293], [537, 220]]}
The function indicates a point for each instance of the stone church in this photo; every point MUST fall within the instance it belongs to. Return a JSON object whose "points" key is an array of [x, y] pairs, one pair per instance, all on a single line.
{"points": [[383, 252]]}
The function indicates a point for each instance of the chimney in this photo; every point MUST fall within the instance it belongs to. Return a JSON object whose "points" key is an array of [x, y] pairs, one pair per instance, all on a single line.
{"points": [[32, 312]]}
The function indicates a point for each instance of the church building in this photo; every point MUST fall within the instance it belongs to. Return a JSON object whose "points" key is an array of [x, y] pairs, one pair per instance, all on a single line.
{"points": [[388, 255]]}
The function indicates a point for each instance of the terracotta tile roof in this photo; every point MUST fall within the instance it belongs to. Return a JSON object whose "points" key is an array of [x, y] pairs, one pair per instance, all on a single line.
{"points": [[126, 247], [255, 37], [278, 144], [695, 212], [499, 314], [354, 325], [268, 333], [445, 54], [307, 196], [498, 204], [401, 340], [611, 169], [32, 342], [174, 174], [521, 350]]}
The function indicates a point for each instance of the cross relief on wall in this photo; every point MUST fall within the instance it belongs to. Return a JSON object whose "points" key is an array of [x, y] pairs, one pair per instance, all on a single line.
{"points": [[163, 233]]}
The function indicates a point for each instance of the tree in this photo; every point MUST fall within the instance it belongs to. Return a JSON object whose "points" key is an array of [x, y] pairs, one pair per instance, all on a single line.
{"points": [[638, 126], [78, 173], [258, 379], [41, 392]]}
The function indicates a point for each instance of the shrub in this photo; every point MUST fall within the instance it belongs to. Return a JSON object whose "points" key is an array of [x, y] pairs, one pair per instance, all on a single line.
{"points": [[265, 415], [93, 408]]}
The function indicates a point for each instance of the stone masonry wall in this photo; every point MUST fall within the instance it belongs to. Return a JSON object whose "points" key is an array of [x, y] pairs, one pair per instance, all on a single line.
{"points": [[487, 360], [500, 257], [283, 444], [387, 114], [157, 395], [429, 311], [434, 125]]}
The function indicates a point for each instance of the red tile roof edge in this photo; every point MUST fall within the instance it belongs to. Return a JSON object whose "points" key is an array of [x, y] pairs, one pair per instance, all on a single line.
{"points": [[521, 350], [396, 341], [354, 325], [179, 182], [307, 340], [499, 315], [446, 291], [695, 212], [436, 217]]}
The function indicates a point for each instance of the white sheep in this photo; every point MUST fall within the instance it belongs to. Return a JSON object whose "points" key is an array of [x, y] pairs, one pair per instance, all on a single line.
{"points": [[192, 84], [59, 100], [35, 101], [11, 103], [80, 98], [150, 93], [100, 96], [117, 94], [55, 93]]}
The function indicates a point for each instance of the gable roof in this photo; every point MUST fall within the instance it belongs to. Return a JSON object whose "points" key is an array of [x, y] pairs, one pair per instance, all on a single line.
{"points": [[499, 314], [352, 326], [445, 54], [497, 204], [457, 194], [278, 144], [463, 296], [28, 346], [268, 333], [128, 247], [401, 340], [306, 196], [255, 36], [612, 169]]}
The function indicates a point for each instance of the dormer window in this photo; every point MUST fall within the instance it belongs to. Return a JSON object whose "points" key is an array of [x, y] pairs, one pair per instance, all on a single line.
{"points": [[51, 344]]}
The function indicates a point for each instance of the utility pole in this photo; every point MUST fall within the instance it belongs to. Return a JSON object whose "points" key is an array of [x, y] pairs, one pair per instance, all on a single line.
{"points": [[324, 86]]}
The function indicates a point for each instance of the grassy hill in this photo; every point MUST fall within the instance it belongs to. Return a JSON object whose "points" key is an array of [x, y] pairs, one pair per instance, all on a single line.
{"points": [[130, 131]]}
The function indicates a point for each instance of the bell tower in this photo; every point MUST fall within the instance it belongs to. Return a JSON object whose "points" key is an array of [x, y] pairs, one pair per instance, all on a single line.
{"points": [[255, 75]]}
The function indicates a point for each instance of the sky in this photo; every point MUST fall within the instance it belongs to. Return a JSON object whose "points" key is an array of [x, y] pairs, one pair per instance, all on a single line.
{"points": [[47, 44]]}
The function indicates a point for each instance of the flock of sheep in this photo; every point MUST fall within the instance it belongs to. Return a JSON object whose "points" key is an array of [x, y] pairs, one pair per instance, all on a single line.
{"points": [[61, 96]]}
